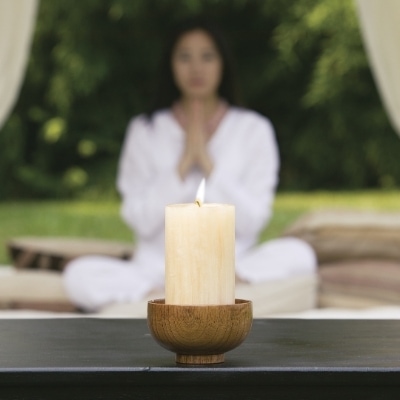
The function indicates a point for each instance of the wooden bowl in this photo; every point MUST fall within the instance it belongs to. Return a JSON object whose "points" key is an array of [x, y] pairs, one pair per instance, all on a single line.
{"points": [[199, 334]]}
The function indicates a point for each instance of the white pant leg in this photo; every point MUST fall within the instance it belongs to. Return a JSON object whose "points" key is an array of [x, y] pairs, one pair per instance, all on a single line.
{"points": [[277, 259], [92, 282]]}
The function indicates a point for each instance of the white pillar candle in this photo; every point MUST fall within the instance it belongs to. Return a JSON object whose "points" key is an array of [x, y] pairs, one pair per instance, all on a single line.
{"points": [[200, 254]]}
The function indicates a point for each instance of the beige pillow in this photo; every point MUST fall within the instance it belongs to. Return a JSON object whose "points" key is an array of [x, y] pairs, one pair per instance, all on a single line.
{"points": [[343, 234], [35, 290], [359, 283]]}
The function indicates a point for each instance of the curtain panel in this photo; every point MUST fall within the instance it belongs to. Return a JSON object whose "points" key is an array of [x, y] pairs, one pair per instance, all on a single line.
{"points": [[17, 21], [380, 27]]}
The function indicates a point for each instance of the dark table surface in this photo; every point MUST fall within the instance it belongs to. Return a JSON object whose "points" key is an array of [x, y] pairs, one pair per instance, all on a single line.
{"points": [[118, 359]]}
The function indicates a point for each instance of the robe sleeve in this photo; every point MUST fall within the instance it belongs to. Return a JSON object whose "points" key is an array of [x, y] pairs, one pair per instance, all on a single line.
{"points": [[252, 187], [146, 182]]}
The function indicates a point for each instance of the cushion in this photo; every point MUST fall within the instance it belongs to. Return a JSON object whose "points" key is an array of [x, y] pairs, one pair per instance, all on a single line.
{"points": [[53, 253], [36, 283], [344, 234], [35, 290], [359, 283]]}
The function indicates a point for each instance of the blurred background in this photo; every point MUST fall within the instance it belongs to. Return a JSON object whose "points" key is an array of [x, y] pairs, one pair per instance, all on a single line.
{"points": [[92, 67]]}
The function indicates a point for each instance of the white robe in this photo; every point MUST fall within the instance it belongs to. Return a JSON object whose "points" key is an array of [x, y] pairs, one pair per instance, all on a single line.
{"points": [[245, 173]]}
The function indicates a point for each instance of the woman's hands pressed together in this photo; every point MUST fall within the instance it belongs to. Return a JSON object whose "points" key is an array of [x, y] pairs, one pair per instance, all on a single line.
{"points": [[195, 153]]}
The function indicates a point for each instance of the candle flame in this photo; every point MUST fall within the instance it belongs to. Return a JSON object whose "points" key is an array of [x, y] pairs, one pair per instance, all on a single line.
{"points": [[200, 192]]}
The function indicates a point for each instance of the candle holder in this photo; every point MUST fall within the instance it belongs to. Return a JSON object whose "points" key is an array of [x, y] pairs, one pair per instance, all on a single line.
{"points": [[199, 334]]}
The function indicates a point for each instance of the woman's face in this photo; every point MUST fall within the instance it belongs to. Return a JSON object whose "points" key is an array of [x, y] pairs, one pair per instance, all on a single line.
{"points": [[196, 65]]}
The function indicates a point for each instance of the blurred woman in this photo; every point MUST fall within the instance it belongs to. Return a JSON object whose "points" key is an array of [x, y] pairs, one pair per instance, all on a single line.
{"points": [[196, 129]]}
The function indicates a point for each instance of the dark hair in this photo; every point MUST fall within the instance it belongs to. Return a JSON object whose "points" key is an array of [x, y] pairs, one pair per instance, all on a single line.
{"points": [[167, 92]]}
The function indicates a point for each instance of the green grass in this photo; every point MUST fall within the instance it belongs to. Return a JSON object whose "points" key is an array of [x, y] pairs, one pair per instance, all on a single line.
{"points": [[102, 220], [71, 219], [289, 206]]}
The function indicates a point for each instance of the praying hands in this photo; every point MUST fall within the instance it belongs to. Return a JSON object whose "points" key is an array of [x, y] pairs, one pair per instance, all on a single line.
{"points": [[195, 154]]}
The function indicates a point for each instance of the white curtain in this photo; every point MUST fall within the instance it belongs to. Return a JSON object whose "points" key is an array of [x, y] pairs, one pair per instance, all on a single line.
{"points": [[380, 27], [17, 20]]}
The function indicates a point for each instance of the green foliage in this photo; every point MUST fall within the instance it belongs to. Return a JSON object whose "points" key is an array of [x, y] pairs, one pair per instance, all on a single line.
{"points": [[338, 135], [92, 68]]}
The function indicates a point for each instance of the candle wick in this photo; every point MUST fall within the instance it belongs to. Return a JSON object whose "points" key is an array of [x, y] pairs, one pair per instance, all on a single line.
{"points": [[200, 192]]}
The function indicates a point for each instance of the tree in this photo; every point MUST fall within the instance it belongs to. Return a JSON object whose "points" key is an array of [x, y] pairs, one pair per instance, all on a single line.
{"points": [[93, 64]]}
